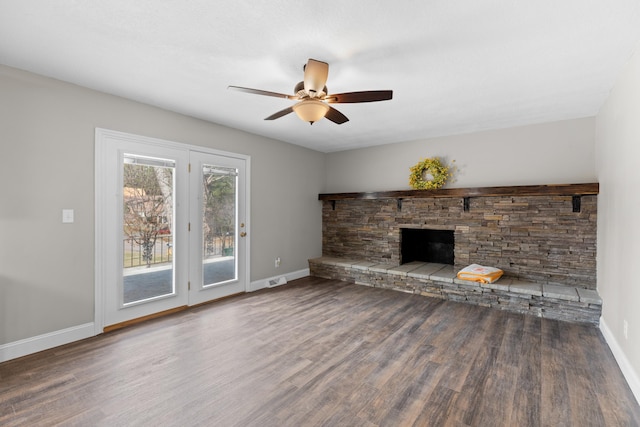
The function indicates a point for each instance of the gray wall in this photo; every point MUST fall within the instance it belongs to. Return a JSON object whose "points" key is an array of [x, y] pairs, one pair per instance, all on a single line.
{"points": [[618, 155], [47, 164], [548, 153]]}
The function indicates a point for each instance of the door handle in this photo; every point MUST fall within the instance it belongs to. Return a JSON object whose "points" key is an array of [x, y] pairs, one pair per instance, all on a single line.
{"points": [[243, 234]]}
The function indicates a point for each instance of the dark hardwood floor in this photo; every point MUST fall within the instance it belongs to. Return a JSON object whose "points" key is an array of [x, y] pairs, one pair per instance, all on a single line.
{"points": [[317, 352]]}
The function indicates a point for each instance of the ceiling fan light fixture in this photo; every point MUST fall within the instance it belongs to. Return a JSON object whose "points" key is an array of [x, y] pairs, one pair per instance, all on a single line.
{"points": [[311, 110]]}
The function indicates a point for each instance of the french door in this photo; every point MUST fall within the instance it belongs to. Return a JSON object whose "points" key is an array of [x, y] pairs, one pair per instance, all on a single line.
{"points": [[218, 227], [171, 226]]}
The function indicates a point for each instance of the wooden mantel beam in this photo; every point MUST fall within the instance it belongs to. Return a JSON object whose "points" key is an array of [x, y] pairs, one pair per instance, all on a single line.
{"points": [[519, 190]]}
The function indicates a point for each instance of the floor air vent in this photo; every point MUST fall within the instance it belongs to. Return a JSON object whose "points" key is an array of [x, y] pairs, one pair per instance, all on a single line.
{"points": [[276, 282]]}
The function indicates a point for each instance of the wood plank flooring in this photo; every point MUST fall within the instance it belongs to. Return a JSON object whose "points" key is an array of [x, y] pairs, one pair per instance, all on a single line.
{"points": [[318, 352]]}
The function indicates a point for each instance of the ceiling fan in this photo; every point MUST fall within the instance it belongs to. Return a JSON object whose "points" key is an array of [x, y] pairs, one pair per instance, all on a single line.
{"points": [[313, 96]]}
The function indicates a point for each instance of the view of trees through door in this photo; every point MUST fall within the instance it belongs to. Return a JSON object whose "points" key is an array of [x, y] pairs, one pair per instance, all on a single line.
{"points": [[218, 223], [148, 227]]}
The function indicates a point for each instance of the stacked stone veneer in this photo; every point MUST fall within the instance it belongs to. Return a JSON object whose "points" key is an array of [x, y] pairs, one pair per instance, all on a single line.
{"points": [[536, 238]]}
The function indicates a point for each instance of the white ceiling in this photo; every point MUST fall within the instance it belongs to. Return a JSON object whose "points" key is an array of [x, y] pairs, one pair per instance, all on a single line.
{"points": [[454, 66]]}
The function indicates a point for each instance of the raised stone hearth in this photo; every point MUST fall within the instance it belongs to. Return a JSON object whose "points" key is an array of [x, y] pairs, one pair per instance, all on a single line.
{"points": [[573, 304], [542, 237]]}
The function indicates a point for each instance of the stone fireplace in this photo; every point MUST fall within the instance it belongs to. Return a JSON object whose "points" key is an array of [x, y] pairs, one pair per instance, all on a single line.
{"points": [[542, 233], [542, 237]]}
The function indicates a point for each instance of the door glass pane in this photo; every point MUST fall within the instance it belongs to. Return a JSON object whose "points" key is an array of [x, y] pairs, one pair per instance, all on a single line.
{"points": [[148, 185], [219, 217]]}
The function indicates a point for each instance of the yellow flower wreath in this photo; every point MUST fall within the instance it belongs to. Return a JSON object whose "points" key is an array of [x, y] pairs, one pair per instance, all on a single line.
{"points": [[428, 174]]}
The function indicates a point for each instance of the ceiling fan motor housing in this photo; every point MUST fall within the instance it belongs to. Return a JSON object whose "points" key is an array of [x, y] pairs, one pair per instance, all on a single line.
{"points": [[301, 93], [315, 77]]}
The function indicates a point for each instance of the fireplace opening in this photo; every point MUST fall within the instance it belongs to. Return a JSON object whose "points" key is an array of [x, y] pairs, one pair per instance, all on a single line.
{"points": [[419, 244]]}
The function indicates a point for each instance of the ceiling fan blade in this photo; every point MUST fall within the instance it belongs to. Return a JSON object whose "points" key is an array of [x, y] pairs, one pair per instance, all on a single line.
{"points": [[262, 92], [315, 76], [365, 96], [336, 116], [280, 113]]}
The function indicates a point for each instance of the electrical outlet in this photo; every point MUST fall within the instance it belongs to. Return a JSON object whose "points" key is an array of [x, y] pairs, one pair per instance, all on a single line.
{"points": [[625, 329], [277, 262], [67, 216]]}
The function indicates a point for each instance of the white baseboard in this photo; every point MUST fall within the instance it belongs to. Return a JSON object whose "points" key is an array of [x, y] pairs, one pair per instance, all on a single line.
{"points": [[264, 283], [627, 369], [16, 349], [31, 345]]}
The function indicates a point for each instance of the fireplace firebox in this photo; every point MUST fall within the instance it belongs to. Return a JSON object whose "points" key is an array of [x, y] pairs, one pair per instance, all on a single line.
{"points": [[420, 244]]}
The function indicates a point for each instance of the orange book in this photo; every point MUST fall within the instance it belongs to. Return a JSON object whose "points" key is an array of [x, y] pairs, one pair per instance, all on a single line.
{"points": [[479, 273]]}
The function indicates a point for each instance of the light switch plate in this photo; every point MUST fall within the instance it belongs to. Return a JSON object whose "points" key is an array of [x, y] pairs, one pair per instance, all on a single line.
{"points": [[67, 216]]}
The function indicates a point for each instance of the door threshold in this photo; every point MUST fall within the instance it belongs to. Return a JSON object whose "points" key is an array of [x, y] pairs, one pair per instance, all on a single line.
{"points": [[135, 321]]}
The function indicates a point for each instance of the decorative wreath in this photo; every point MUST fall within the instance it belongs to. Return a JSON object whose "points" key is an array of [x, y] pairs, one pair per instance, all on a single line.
{"points": [[428, 174]]}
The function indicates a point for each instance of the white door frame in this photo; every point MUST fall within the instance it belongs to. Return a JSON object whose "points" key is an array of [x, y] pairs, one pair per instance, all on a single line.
{"points": [[103, 139]]}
